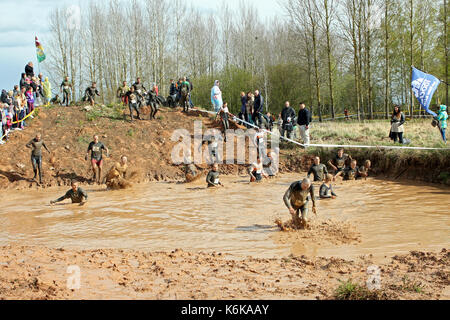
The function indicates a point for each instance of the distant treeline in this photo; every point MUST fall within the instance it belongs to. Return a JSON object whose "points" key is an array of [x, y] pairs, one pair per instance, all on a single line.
{"points": [[354, 54]]}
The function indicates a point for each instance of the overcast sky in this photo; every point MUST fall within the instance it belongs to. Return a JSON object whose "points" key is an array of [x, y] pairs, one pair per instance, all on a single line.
{"points": [[23, 19]]}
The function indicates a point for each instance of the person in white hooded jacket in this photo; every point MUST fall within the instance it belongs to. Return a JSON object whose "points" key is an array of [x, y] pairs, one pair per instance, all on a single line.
{"points": [[216, 96]]}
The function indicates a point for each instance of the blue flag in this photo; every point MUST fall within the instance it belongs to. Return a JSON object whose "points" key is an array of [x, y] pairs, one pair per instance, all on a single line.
{"points": [[424, 86]]}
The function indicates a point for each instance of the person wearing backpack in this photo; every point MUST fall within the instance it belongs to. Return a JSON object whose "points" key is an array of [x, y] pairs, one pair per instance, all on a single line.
{"points": [[303, 120]]}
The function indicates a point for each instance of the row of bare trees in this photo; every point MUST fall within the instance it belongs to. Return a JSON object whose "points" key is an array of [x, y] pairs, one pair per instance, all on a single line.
{"points": [[354, 54]]}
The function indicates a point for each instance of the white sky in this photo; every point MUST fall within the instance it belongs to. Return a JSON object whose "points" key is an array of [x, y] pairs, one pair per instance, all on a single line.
{"points": [[23, 19]]}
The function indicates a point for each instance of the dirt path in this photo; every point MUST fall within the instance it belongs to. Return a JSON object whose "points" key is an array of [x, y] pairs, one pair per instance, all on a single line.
{"points": [[41, 273]]}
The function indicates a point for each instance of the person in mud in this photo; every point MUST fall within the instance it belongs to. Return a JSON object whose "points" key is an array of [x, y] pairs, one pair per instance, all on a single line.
{"points": [[36, 145], [318, 169], [326, 189], [96, 148], [122, 93], [185, 89], [76, 194], [339, 162], [271, 168], [115, 179], [212, 179], [297, 198], [90, 93], [133, 103], [349, 173], [190, 170], [140, 91], [363, 172], [257, 171], [65, 88]]}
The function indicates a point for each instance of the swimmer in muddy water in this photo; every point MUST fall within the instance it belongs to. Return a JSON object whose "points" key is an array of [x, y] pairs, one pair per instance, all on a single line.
{"points": [[212, 179], [76, 194], [96, 148], [349, 173], [297, 199], [318, 169], [363, 172], [326, 189], [36, 145], [339, 162], [256, 171], [115, 179]]}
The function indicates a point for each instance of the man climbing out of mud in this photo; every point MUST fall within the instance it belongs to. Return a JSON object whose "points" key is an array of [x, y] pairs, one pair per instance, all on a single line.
{"points": [[36, 145], [76, 194], [133, 103], [318, 169], [326, 189], [338, 163], [190, 170], [96, 148], [350, 172], [115, 179], [212, 179], [90, 93], [140, 91], [297, 199], [256, 171]]}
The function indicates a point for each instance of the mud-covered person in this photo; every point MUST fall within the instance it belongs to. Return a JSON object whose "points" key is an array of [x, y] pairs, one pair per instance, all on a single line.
{"points": [[76, 194], [212, 179], [132, 99], [190, 170], [96, 149], [36, 145], [297, 199], [326, 189], [91, 92], [339, 162], [318, 170], [256, 171], [115, 179], [363, 171], [349, 173]]}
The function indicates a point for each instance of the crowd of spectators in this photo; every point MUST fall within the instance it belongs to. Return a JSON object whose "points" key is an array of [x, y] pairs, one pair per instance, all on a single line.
{"points": [[17, 105]]}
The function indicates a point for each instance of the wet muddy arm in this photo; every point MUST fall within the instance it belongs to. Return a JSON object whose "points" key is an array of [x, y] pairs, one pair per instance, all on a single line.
{"points": [[287, 199], [313, 196]]}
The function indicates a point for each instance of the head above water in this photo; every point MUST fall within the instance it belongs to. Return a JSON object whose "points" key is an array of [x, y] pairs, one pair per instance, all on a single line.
{"points": [[215, 167], [353, 164], [316, 160], [367, 164], [340, 152], [124, 159], [306, 183], [328, 178], [74, 185]]}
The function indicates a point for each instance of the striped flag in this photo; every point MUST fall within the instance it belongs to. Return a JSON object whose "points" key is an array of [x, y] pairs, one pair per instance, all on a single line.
{"points": [[39, 51]]}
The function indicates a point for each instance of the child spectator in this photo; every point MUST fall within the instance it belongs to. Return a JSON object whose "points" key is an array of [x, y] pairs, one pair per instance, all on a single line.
{"points": [[30, 100]]}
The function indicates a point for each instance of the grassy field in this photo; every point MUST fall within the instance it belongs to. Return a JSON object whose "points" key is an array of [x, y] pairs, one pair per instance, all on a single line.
{"points": [[376, 132]]}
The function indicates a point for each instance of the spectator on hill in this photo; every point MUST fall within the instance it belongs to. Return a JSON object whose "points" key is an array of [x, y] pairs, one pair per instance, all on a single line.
{"points": [[216, 96], [29, 70], [47, 90], [303, 120], [288, 116], [258, 109], [397, 121]]}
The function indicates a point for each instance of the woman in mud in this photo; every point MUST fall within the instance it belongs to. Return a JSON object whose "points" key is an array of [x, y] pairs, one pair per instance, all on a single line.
{"points": [[326, 189], [397, 121], [297, 199], [256, 171], [115, 179], [212, 179]]}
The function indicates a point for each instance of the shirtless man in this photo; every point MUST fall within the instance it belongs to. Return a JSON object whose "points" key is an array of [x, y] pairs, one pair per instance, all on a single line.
{"points": [[96, 147], [76, 194], [297, 199], [36, 145]]}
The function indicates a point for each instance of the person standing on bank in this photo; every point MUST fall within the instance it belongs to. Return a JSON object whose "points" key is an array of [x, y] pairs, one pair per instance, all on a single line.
{"points": [[303, 120], [287, 116], [397, 121]]}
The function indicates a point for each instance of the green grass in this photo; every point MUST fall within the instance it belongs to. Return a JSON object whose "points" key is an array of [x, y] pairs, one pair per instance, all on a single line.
{"points": [[348, 290], [112, 111]]}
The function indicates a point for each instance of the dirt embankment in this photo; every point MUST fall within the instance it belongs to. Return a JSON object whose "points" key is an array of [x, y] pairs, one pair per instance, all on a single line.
{"points": [[41, 273], [67, 131]]}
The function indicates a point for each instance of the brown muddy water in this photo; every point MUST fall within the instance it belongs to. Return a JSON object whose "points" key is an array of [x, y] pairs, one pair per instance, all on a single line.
{"points": [[392, 218]]}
